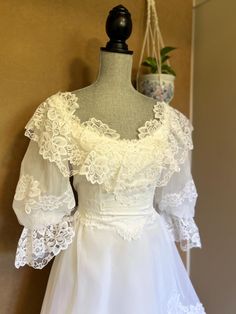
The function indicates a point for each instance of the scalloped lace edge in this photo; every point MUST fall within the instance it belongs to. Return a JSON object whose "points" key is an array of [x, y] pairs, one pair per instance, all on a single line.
{"points": [[182, 230], [188, 193], [38, 246], [175, 306], [56, 137]]}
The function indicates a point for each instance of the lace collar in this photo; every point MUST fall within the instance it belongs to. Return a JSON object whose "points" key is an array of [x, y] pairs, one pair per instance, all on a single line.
{"points": [[149, 129], [164, 141]]}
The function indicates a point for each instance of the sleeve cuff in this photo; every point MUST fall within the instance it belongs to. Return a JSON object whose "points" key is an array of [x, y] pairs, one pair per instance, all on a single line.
{"points": [[38, 246], [183, 230]]}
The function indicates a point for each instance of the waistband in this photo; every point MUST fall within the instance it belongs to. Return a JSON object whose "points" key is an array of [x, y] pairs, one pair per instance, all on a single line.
{"points": [[128, 225]]}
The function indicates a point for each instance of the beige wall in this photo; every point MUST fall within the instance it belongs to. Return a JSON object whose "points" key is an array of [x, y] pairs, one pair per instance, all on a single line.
{"points": [[214, 159], [48, 46]]}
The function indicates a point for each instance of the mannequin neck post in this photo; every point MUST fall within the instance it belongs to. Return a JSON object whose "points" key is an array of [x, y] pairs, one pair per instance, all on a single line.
{"points": [[115, 70]]}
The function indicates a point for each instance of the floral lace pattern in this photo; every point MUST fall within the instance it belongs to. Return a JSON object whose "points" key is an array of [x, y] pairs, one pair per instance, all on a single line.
{"points": [[176, 307], [149, 128], [183, 230], [128, 228], [93, 150], [62, 139], [101, 128], [96, 168], [188, 193], [38, 246], [28, 190], [27, 186], [51, 127]]}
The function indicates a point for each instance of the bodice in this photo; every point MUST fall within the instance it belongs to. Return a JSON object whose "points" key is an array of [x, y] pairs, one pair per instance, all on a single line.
{"points": [[94, 200], [127, 211], [118, 175], [118, 181]]}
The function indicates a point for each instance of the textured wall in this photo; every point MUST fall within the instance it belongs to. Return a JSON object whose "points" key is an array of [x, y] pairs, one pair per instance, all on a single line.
{"points": [[214, 167], [47, 46]]}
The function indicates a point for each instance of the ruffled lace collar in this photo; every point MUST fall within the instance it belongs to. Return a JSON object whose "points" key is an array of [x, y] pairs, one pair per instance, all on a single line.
{"points": [[97, 151], [149, 129]]}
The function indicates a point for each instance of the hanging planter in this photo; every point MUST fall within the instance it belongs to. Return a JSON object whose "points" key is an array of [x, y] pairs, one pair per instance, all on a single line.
{"points": [[159, 83]]}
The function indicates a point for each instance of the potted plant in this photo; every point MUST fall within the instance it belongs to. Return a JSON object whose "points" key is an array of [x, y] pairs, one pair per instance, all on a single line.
{"points": [[149, 84]]}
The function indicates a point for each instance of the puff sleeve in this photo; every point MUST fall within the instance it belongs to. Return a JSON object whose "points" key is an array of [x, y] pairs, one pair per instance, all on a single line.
{"points": [[175, 200], [43, 201]]}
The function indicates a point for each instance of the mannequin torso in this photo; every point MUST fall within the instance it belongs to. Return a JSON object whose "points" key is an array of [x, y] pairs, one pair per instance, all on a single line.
{"points": [[113, 99]]}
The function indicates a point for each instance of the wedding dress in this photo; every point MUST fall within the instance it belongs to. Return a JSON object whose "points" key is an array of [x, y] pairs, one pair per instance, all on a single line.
{"points": [[136, 197]]}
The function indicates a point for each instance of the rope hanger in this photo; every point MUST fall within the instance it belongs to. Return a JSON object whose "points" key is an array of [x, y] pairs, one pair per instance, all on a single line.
{"points": [[153, 40], [152, 44]]}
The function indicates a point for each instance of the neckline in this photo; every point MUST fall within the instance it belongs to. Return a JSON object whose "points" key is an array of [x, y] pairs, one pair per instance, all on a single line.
{"points": [[146, 131]]}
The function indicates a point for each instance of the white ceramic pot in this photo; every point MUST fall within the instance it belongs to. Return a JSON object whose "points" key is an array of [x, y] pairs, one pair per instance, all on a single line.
{"points": [[148, 84]]}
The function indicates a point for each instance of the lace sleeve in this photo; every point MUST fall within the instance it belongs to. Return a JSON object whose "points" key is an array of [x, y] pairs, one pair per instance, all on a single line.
{"points": [[176, 204], [43, 203]]}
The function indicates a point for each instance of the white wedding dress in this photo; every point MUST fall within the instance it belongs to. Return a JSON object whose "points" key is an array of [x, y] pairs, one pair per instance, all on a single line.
{"points": [[115, 251]]}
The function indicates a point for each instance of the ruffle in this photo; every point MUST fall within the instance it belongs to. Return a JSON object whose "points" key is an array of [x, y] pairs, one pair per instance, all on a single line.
{"points": [[38, 246], [52, 127], [177, 210], [179, 144], [183, 230], [95, 150], [179, 199]]}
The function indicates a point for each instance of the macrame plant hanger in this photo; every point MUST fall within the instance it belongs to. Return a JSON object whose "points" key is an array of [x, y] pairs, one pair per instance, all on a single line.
{"points": [[152, 42]]}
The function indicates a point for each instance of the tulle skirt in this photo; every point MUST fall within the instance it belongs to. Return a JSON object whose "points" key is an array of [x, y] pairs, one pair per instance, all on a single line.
{"points": [[101, 273]]}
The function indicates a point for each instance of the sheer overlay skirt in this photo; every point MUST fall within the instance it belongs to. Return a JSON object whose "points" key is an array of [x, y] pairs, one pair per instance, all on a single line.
{"points": [[101, 273]]}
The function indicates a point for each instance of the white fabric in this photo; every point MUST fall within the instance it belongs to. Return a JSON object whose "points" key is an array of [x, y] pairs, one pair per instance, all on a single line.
{"points": [[117, 252]]}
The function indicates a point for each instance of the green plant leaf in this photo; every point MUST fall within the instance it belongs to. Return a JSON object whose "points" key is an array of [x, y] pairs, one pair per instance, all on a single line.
{"points": [[150, 62], [145, 63], [154, 69], [166, 50], [167, 69], [164, 58], [153, 64]]}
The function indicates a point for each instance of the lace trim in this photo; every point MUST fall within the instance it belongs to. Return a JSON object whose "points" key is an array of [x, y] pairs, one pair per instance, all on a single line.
{"points": [[51, 126], [27, 186], [100, 128], [188, 193], [148, 129], [128, 228], [179, 144], [37, 247], [176, 307], [28, 190], [183, 230], [182, 127], [62, 139], [96, 168]]}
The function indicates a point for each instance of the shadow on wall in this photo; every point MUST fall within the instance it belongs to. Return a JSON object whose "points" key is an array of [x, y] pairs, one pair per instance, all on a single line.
{"points": [[81, 73]]}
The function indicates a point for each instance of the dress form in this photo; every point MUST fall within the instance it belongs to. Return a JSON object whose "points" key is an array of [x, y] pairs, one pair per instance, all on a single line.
{"points": [[112, 97]]}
